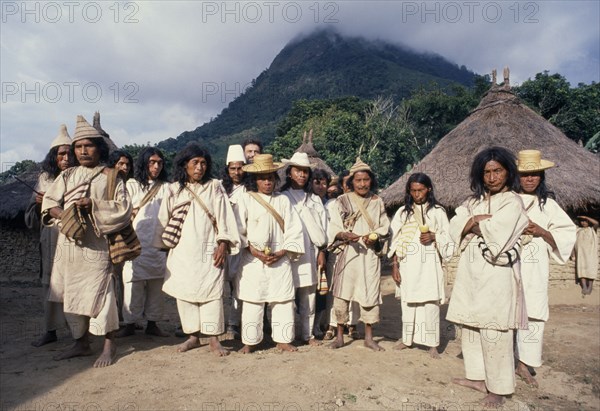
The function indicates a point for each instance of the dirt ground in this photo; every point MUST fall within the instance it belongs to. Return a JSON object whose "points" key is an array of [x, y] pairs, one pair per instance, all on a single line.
{"points": [[150, 374]]}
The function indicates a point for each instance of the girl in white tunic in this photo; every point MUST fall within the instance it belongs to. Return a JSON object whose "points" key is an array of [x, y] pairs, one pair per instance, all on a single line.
{"points": [[312, 213], [550, 233], [420, 237], [143, 277], [487, 298], [194, 273], [271, 236], [58, 159]]}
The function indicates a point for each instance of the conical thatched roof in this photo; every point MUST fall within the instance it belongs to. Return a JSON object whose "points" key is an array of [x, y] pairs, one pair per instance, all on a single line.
{"points": [[501, 119], [308, 148], [111, 144]]}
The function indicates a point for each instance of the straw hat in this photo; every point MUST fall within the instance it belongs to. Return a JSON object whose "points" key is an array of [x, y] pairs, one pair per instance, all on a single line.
{"points": [[359, 166], [298, 160], [83, 130], [529, 161], [235, 153], [262, 164], [62, 139]]}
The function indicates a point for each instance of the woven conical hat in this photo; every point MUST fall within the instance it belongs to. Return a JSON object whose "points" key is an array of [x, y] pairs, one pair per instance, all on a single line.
{"points": [[62, 139], [359, 165], [83, 130]]}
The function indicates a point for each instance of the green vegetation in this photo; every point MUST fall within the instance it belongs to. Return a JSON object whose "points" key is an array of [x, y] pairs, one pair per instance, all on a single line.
{"points": [[19, 168]]}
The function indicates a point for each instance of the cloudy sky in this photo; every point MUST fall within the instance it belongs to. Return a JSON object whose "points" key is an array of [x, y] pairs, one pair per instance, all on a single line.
{"points": [[157, 68]]}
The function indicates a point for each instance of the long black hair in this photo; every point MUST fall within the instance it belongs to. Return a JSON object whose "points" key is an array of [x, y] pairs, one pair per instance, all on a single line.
{"points": [[141, 166], [288, 179], [190, 151], [541, 192], [424, 179], [102, 147], [340, 183], [500, 155], [374, 185], [114, 158], [228, 182], [250, 182], [50, 164]]}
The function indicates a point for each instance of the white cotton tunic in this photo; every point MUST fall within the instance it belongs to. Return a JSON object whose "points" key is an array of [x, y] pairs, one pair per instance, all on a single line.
{"points": [[191, 275], [151, 264], [485, 295], [232, 267], [358, 264], [48, 232], [535, 257], [305, 268], [421, 269], [258, 282], [82, 271]]}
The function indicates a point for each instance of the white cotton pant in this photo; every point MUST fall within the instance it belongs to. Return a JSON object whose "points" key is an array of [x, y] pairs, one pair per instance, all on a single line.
{"points": [[353, 312], [143, 298], [54, 316], [529, 343], [282, 322], [206, 318], [235, 307], [488, 356], [106, 321], [306, 299], [421, 323]]}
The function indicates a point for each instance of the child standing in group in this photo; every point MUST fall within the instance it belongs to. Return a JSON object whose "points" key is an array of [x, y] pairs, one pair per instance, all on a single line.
{"points": [[586, 253], [420, 237]]}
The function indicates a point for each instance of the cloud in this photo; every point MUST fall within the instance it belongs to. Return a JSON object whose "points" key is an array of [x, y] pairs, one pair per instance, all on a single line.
{"points": [[156, 69]]}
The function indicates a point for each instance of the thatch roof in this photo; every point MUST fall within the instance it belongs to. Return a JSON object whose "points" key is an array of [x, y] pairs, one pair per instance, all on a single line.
{"points": [[313, 156], [14, 196], [501, 119], [111, 144]]}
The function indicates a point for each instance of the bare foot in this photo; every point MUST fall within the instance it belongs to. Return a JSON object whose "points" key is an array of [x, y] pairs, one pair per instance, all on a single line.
{"points": [[492, 400], [246, 349], [523, 372], [189, 344], [47, 338], [109, 353], [337, 343], [476, 385], [314, 342], [433, 353], [216, 347], [128, 330], [81, 348], [369, 343], [400, 346], [286, 347], [353, 332], [152, 329]]}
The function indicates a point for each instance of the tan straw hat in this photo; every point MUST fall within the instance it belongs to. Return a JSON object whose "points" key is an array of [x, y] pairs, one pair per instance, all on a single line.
{"points": [[359, 166], [83, 130], [263, 163], [298, 160], [62, 139], [529, 161]]}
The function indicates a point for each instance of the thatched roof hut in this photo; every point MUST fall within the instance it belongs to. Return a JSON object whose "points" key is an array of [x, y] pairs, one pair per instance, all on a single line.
{"points": [[313, 156], [14, 197], [501, 119]]}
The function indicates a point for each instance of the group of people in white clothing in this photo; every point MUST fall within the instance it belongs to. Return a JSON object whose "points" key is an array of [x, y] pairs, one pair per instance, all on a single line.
{"points": [[270, 247]]}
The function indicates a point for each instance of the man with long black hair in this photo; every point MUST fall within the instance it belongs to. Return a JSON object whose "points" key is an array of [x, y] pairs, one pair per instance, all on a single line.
{"points": [[58, 159], [143, 277]]}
